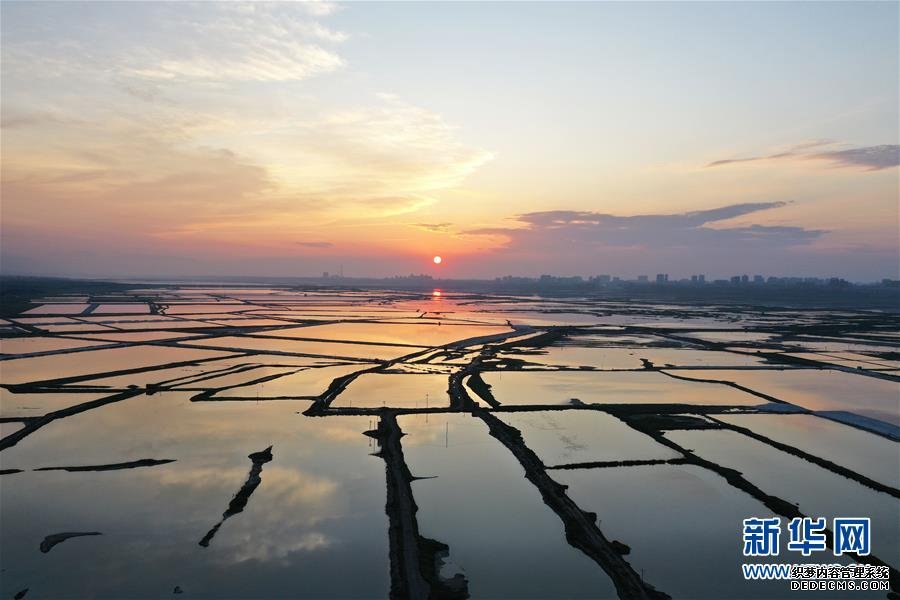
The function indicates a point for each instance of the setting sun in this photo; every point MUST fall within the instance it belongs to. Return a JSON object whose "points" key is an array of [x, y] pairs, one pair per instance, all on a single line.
{"points": [[438, 260]]}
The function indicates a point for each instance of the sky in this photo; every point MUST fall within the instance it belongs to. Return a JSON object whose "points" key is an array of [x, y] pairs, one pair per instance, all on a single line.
{"points": [[288, 139]]}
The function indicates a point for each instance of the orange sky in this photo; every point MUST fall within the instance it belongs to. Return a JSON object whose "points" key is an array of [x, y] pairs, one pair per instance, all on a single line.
{"points": [[160, 139]]}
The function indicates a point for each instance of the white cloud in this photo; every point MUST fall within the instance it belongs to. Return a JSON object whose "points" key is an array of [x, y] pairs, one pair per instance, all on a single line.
{"points": [[870, 158], [185, 42], [319, 8]]}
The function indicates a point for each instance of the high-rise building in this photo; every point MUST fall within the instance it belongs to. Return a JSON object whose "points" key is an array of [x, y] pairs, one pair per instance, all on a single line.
{"points": [[662, 278]]}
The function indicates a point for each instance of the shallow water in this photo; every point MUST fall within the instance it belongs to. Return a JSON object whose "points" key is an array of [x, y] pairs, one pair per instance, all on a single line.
{"points": [[204, 309], [164, 324], [817, 492], [731, 336], [309, 382], [316, 526], [132, 308], [326, 349], [249, 322], [500, 533], [56, 309], [848, 359], [689, 548], [516, 387], [321, 475], [30, 345], [842, 346], [36, 405], [863, 452], [22, 370], [374, 390], [820, 390], [630, 357], [428, 334], [563, 437], [139, 336]]}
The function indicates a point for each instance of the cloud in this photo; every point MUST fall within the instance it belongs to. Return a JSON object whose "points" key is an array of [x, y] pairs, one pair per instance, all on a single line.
{"points": [[186, 43], [319, 8], [145, 92], [731, 161], [316, 244], [17, 119], [873, 158], [142, 171], [384, 206], [394, 141], [436, 227], [718, 241], [577, 230], [265, 44]]}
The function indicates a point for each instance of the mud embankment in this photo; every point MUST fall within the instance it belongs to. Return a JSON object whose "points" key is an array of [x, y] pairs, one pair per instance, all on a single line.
{"points": [[239, 502], [415, 560], [580, 526]]}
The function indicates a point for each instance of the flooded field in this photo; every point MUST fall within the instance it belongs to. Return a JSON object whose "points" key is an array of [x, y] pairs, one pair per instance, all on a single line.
{"points": [[251, 442], [821, 390]]}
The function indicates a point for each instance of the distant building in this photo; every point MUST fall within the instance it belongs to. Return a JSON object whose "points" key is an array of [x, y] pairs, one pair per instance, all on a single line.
{"points": [[643, 278], [758, 279], [701, 278], [604, 278], [736, 280], [745, 279], [413, 277], [324, 274], [552, 280], [662, 278]]}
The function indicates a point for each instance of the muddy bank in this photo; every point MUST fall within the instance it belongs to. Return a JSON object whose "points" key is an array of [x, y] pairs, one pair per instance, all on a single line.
{"points": [[143, 462], [607, 464], [482, 388], [57, 538], [415, 560], [239, 502], [581, 527]]}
